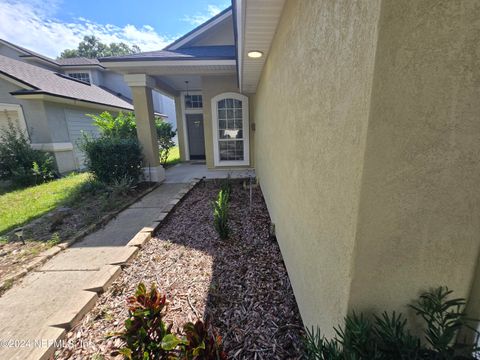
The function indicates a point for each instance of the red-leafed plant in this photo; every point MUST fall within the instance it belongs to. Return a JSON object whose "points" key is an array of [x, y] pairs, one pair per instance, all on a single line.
{"points": [[145, 328], [147, 337], [201, 343]]}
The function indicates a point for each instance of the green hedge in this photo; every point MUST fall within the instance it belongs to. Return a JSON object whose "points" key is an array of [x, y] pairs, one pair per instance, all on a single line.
{"points": [[112, 159], [21, 164]]}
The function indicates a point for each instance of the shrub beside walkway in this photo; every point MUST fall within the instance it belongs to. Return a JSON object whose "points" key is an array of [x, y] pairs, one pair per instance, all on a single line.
{"points": [[36, 311]]}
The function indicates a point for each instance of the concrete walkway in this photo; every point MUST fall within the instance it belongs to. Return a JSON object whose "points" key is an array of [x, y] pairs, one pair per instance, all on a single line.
{"points": [[35, 312], [185, 172]]}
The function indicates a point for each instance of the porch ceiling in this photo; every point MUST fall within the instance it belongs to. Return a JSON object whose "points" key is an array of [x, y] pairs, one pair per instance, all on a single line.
{"points": [[181, 67]]}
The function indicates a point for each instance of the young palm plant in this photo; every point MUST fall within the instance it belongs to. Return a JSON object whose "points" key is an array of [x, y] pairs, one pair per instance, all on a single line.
{"points": [[387, 337], [220, 215]]}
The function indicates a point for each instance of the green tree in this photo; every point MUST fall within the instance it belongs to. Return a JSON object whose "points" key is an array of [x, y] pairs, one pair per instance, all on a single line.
{"points": [[165, 135], [123, 126], [91, 47]]}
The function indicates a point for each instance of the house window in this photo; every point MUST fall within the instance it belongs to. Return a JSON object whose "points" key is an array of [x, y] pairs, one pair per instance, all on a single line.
{"points": [[193, 102], [82, 76], [230, 112]]}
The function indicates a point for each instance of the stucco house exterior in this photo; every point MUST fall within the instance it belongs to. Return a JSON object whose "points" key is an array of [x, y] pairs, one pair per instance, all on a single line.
{"points": [[361, 119], [49, 99]]}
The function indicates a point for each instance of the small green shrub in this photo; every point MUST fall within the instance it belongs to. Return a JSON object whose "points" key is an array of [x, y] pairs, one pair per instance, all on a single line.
{"points": [[112, 159], [226, 186], [123, 186], [220, 215], [388, 337], [165, 135], [20, 163], [92, 186], [148, 337], [120, 126]]}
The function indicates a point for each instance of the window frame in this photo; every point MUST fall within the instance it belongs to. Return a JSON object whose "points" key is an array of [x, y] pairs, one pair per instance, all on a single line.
{"points": [[70, 73], [245, 127], [22, 124]]}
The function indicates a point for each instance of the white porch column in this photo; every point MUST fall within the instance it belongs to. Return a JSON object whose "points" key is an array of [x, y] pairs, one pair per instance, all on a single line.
{"points": [[141, 86]]}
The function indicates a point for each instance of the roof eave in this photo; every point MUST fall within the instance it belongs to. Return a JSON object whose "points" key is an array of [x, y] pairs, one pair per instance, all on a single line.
{"points": [[46, 96], [173, 58], [40, 59], [19, 82], [86, 66], [197, 31]]}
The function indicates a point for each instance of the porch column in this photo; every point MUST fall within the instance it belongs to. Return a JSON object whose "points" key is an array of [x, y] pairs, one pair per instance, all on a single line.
{"points": [[141, 86]]}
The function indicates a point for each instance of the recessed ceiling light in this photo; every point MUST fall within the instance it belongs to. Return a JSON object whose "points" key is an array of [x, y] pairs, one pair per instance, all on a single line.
{"points": [[255, 54]]}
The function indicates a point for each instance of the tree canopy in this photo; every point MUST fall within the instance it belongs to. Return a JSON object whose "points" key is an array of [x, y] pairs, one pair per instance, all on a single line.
{"points": [[91, 47]]}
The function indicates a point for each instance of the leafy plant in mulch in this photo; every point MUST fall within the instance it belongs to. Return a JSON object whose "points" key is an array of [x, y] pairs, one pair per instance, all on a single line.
{"points": [[148, 337], [220, 214], [388, 337]]}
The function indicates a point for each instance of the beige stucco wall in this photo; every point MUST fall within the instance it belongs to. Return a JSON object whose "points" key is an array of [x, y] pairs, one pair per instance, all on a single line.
{"points": [[419, 215], [311, 113], [367, 151]]}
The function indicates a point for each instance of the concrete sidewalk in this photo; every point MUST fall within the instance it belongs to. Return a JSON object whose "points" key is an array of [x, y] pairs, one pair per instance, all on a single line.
{"points": [[187, 171], [35, 313]]}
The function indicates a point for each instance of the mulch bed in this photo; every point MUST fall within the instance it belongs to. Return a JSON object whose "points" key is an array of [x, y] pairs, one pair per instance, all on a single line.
{"points": [[240, 285]]}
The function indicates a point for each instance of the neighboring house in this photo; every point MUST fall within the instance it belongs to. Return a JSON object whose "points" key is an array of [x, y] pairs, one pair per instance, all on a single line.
{"points": [[362, 121], [50, 99]]}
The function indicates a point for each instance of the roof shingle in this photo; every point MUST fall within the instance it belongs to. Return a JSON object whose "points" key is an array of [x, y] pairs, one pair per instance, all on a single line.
{"points": [[49, 82], [77, 61]]}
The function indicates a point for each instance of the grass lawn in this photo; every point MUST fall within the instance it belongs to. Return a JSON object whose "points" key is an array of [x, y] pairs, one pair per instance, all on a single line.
{"points": [[173, 156], [18, 207]]}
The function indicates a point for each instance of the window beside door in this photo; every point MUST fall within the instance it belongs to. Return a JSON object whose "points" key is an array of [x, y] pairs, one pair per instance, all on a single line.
{"points": [[230, 128]]}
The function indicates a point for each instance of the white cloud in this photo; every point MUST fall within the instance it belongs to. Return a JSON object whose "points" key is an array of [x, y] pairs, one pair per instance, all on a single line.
{"points": [[32, 24], [198, 19]]}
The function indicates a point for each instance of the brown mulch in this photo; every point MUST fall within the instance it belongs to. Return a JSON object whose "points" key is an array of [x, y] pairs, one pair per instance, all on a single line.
{"points": [[240, 285]]}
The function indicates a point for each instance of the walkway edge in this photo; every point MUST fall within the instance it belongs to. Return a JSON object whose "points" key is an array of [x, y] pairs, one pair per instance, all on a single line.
{"points": [[39, 260], [67, 318]]}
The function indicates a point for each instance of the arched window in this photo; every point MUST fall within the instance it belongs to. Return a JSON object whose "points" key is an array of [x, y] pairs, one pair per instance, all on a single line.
{"points": [[230, 129]]}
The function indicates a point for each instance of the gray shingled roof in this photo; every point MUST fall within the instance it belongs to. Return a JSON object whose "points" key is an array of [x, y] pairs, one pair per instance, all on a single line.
{"points": [[77, 61], [219, 52], [48, 82]]}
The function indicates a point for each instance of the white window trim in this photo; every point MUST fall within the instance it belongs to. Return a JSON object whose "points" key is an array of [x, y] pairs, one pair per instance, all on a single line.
{"points": [[80, 71], [246, 130], [184, 119], [21, 118]]}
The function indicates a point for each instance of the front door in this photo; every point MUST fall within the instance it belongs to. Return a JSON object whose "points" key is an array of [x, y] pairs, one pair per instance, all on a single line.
{"points": [[196, 140]]}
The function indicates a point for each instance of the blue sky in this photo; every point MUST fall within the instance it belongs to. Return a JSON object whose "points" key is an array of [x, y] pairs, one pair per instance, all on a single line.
{"points": [[49, 26]]}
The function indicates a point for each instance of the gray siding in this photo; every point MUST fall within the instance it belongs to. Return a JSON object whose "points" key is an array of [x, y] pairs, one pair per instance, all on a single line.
{"points": [[33, 111]]}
